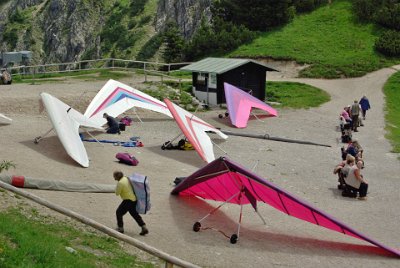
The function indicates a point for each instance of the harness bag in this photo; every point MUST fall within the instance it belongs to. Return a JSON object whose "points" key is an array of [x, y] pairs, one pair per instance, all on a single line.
{"points": [[126, 158], [140, 185]]}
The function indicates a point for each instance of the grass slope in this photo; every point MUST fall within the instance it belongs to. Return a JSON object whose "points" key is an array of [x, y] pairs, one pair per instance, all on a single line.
{"points": [[329, 39], [392, 93]]}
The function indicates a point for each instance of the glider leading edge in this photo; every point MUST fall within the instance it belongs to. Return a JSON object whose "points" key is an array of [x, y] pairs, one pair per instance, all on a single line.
{"points": [[114, 98]]}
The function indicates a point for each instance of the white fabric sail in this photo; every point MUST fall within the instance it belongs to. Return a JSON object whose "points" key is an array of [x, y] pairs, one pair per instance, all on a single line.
{"points": [[114, 98], [66, 122], [195, 130], [5, 120]]}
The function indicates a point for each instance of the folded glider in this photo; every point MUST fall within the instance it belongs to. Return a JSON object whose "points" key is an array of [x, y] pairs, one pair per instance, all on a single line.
{"points": [[66, 122], [4, 119], [195, 130], [240, 103], [114, 98], [224, 180]]}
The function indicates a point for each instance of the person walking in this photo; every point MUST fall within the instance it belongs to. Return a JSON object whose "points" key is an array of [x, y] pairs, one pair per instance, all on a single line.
{"points": [[364, 102], [125, 191], [355, 112]]}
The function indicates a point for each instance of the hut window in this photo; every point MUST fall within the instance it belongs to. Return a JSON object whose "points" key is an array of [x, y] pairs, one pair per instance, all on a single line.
{"points": [[213, 80], [201, 79]]}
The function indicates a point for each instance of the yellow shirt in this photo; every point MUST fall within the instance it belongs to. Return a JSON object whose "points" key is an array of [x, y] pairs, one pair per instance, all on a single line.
{"points": [[124, 189]]}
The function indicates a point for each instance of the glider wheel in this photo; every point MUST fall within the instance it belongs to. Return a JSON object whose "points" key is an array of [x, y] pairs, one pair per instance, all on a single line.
{"points": [[36, 140], [234, 239], [196, 226], [220, 116], [226, 114], [162, 147]]}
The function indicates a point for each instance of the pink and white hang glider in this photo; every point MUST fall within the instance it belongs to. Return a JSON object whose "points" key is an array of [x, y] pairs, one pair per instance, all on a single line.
{"points": [[240, 103], [226, 181], [114, 98], [195, 130]]}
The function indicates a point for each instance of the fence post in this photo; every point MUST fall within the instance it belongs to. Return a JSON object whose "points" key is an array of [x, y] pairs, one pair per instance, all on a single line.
{"points": [[145, 73]]}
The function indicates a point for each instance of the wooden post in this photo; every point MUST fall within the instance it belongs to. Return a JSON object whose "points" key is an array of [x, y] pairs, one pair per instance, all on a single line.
{"points": [[169, 259], [144, 70]]}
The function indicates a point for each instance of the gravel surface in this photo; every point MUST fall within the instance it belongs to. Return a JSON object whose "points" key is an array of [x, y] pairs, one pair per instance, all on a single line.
{"points": [[303, 170]]}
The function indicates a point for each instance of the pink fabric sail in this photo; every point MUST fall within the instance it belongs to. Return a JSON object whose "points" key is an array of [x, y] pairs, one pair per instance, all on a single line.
{"points": [[222, 179], [240, 103], [195, 130]]}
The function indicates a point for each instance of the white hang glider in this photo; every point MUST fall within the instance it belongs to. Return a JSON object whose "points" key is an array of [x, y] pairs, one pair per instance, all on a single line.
{"points": [[195, 131], [5, 120], [114, 98], [66, 122]]}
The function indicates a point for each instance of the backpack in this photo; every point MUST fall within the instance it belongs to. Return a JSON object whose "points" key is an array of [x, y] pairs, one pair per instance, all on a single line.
{"points": [[140, 185], [126, 158]]}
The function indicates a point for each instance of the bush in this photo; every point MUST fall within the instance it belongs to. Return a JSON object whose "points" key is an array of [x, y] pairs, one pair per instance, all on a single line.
{"points": [[389, 43], [150, 48], [389, 16]]}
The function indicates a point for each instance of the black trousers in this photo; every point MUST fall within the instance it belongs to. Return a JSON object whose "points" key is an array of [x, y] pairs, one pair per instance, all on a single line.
{"points": [[128, 206], [362, 190]]}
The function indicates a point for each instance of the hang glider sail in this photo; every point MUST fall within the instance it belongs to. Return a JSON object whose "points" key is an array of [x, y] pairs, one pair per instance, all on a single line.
{"points": [[5, 120], [195, 130], [114, 98], [240, 103], [66, 122], [224, 180]]}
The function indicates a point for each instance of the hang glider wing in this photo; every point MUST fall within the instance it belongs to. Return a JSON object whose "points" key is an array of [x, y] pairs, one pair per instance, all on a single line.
{"points": [[115, 98], [195, 131], [66, 122], [221, 179], [240, 103], [5, 120]]}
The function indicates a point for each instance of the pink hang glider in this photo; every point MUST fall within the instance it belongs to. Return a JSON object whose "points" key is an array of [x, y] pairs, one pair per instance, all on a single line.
{"points": [[240, 103], [226, 181], [195, 130]]}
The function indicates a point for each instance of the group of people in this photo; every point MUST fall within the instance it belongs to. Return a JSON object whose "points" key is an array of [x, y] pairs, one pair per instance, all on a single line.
{"points": [[351, 181]]}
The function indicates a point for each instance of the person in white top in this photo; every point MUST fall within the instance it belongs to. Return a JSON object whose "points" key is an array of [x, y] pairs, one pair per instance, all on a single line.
{"points": [[354, 180]]}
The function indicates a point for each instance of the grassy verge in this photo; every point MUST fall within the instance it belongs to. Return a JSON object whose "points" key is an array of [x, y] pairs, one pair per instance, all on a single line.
{"points": [[392, 116], [37, 241], [295, 95], [83, 75], [329, 39]]}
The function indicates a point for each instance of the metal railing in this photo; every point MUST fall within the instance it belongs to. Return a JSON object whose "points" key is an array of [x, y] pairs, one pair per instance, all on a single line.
{"points": [[148, 68]]}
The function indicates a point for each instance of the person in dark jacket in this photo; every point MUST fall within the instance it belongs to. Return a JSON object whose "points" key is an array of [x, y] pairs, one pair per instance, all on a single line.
{"points": [[113, 125], [364, 102]]}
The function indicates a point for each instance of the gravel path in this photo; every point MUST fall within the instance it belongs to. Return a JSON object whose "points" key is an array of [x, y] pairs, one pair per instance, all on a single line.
{"points": [[304, 170]]}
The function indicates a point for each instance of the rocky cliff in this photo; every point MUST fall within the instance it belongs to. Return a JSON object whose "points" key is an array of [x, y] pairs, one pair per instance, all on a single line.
{"points": [[187, 14], [71, 30]]}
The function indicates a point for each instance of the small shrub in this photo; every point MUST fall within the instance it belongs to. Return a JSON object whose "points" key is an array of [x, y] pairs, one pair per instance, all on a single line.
{"points": [[389, 43]]}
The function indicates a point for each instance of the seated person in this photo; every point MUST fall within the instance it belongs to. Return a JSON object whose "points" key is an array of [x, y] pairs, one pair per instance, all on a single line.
{"points": [[113, 125], [354, 181], [354, 149]]}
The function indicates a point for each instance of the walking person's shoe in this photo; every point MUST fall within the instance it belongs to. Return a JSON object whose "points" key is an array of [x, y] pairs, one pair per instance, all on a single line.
{"points": [[144, 231], [363, 198], [120, 229]]}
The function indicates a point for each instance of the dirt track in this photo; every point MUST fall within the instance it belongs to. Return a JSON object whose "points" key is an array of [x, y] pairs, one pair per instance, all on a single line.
{"points": [[304, 170]]}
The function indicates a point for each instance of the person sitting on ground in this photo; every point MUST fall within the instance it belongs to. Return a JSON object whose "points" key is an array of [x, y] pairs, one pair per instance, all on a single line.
{"points": [[353, 148], [355, 182], [113, 125], [345, 115]]}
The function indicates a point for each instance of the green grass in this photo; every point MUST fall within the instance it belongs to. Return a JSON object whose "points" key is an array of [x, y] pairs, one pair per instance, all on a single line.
{"points": [[91, 75], [36, 241], [392, 116], [295, 95], [329, 39]]}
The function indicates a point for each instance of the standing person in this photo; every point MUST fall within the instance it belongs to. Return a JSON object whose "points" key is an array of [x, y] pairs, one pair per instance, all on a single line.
{"points": [[125, 191], [355, 112], [113, 125], [364, 102]]}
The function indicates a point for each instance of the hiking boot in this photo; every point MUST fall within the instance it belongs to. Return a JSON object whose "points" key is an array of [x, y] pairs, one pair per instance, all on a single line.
{"points": [[144, 231], [120, 229], [363, 198]]}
